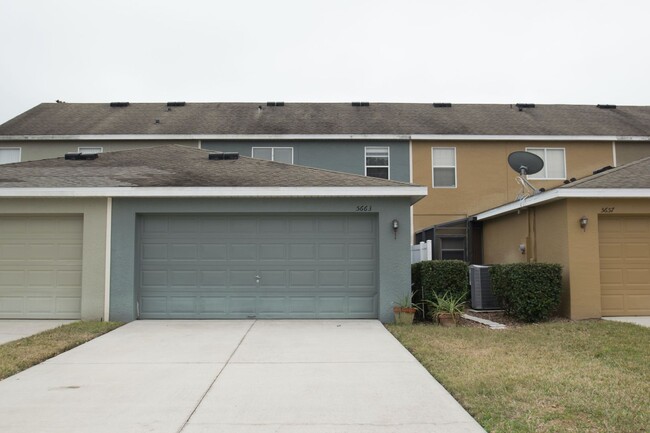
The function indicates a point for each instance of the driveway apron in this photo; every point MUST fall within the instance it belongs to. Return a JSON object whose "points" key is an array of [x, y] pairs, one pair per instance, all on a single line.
{"points": [[15, 329], [233, 376]]}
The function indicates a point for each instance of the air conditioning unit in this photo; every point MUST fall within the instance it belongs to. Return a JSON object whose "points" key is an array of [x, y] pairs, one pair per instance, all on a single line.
{"points": [[481, 290]]}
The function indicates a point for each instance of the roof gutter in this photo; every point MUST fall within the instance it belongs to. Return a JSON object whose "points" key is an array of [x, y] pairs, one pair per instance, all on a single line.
{"points": [[233, 137], [205, 137], [467, 137], [560, 193], [415, 193]]}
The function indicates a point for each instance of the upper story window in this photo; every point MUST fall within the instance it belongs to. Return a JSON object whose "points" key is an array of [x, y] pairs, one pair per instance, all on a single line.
{"points": [[443, 161], [378, 162], [554, 163], [278, 154], [9, 155], [90, 149]]}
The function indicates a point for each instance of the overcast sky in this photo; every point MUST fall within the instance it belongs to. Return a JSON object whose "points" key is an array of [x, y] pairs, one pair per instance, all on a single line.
{"points": [[500, 51]]}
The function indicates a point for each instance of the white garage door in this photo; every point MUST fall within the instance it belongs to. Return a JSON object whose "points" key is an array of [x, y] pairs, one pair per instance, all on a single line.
{"points": [[40, 267], [284, 266]]}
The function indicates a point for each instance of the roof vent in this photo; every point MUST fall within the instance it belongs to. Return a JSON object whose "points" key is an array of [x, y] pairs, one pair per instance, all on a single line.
{"points": [[275, 104], [76, 156], [176, 104], [442, 105], [361, 104], [606, 106], [600, 170], [119, 104], [521, 106], [223, 156]]}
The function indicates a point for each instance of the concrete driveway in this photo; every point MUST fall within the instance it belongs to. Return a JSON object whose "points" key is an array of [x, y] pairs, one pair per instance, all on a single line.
{"points": [[235, 377], [11, 330]]}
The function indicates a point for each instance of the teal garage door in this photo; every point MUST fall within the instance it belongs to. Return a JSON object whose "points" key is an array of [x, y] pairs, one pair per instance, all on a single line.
{"points": [[251, 266]]}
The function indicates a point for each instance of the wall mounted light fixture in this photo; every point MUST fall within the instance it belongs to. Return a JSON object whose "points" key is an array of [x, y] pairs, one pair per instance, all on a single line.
{"points": [[522, 248], [583, 223], [395, 225]]}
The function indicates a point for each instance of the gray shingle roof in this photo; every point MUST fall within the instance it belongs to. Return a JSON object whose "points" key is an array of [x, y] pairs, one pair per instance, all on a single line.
{"points": [[633, 175], [173, 166], [328, 118]]}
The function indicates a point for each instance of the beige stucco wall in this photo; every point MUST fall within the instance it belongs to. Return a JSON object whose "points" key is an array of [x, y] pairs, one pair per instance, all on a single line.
{"points": [[502, 237], [484, 179], [556, 237], [94, 242], [34, 150], [551, 244], [631, 151]]}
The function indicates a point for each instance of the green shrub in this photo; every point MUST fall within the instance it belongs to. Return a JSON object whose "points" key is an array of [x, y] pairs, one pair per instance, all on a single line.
{"points": [[416, 282], [529, 292], [443, 276]]}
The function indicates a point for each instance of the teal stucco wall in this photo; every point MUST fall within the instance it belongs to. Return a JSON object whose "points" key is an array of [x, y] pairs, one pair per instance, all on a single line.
{"points": [[347, 156], [394, 252]]}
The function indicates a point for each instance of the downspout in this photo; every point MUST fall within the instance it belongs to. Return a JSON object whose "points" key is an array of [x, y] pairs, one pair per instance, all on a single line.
{"points": [[532, 236], [107, 264]]}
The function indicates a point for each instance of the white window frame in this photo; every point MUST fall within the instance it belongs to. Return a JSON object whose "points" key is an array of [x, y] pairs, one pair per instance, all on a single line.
{"points": [[272, 152], [544, 170], [80, 149], [365, 159], [20, 153], [455, 167]]}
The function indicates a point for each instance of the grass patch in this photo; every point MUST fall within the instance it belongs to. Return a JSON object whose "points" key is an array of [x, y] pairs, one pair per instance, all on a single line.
{"points": [[591, 376], [19, 355]]}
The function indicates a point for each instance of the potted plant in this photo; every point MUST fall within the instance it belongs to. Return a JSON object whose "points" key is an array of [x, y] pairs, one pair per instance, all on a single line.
{"points": [[405, 310], [447, 308]]}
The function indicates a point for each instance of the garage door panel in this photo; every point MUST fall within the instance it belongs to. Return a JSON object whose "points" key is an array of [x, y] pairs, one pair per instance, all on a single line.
{"points": [[183, 278], [362, 304], [68, 305], [214, 279], [309, 266], [640, 302], [303, 279], [183, 252], [624, 265], [215, 252], [332, 252], [302, 251], [214, 304], [246, 252]]}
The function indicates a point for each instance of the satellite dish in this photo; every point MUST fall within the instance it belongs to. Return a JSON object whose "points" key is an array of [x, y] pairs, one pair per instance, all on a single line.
{"points": [[525, 162]]}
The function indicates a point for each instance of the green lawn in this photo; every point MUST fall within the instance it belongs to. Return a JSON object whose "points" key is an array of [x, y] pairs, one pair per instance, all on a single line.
{"points": [[591, 376], [19, 355]]}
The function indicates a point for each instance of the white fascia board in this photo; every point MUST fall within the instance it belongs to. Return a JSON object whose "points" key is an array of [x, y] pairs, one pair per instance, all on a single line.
{"points": [[220, 192], [233, 137], [469, 137], [558, 194]]}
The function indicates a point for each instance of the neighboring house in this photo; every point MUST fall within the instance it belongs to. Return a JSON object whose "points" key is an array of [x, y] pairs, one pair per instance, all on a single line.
{"points": [[597, 228], [459, 151], [170, 233]]}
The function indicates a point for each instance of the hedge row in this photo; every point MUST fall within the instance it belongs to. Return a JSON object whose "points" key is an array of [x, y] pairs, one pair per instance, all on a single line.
{"points": [[439, 276], [529, 292]]}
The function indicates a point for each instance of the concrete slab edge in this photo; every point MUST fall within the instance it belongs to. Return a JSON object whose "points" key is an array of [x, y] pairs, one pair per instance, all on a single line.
{"points": [[490, 323]]}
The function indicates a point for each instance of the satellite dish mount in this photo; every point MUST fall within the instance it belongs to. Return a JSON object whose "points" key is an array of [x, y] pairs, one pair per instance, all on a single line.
{"points": [[525, 163]]}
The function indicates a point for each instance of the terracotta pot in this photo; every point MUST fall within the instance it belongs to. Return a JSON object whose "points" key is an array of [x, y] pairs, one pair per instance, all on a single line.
{"points": [[403, 315], [447, 319]]}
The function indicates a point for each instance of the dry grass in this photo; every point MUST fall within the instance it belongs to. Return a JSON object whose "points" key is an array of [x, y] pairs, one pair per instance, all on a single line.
{"points": [[19, 355], [591, 376]]}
